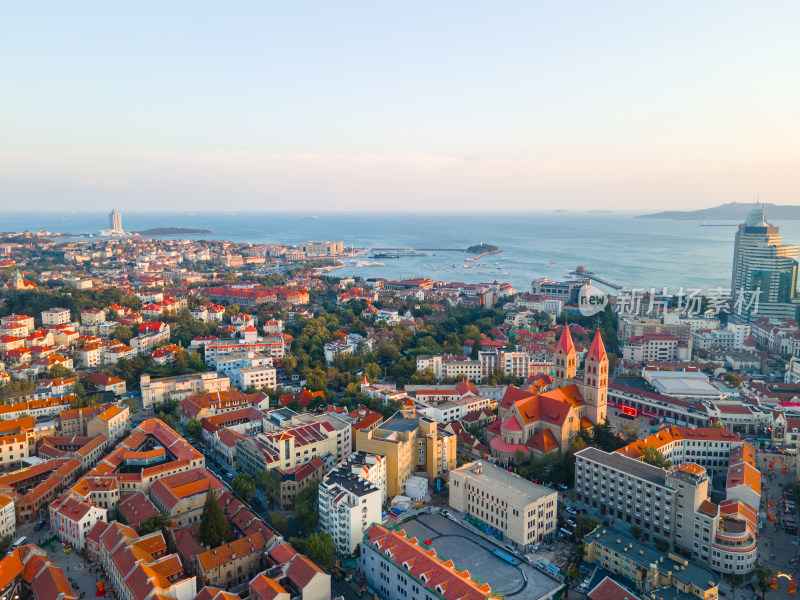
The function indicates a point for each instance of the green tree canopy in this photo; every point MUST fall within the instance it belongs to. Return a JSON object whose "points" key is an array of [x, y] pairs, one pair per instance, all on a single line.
{"points": [[214, 529], [194, 428], [279, 521], [154, 523], [244, 485], [653, 456], [321, 549]]}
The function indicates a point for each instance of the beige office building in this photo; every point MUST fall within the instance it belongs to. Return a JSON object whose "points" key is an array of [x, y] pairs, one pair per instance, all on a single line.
{"points": [[523, 511]]}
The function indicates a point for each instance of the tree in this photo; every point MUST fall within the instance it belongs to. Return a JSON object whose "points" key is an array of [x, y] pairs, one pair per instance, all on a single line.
{"points": [[662, 545], [279, 521], [123, 334], [154, 523], [131, 403], [194, 428], [732, 380], [764, 576], [630, 432], [59, 371], [636, 531], [244, 485], [5, 544], [305, 508], [653, 456], [321, 549], [269, 483], [214, 530]]}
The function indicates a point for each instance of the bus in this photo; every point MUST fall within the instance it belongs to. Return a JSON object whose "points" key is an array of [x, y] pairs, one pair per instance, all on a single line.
{"points": [[503, 556]]}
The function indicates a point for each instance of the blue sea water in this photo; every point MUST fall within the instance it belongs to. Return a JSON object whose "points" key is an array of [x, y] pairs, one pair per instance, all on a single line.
{"points": [[644, 253]]}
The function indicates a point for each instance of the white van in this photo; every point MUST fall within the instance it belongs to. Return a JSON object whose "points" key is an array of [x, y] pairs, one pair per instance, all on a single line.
{"points": [[20, 542]]}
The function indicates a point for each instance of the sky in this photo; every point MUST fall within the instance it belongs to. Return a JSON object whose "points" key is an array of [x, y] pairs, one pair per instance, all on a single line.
{"points": [[398, 106]]}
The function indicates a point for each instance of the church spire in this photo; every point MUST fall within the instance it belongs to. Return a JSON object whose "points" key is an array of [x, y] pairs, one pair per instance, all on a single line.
{"points": [[597, 350]]}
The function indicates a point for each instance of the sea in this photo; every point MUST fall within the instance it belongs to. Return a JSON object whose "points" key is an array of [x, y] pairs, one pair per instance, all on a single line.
{"points": [[617, 247]]}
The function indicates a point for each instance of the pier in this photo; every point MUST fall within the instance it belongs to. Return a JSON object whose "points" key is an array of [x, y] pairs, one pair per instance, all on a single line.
{"points": [[590, 275]]}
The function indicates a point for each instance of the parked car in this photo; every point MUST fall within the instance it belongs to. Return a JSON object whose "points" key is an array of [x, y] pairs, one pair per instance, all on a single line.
{"points": [[571, 523], [229, 475], [572, 511], [562, 486], [39, 525]]}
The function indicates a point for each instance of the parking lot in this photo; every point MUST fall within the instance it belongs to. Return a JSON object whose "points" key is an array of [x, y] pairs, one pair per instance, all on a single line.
{"points": [[474, 553]]}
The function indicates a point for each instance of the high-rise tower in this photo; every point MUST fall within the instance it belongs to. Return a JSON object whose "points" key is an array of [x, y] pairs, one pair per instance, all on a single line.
{"points": [[762, 262], [115, 221]]}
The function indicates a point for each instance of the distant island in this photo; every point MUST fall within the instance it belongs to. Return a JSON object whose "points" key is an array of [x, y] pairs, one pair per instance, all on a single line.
{"points": [[482, 249], [732, 211], [174, 231]]}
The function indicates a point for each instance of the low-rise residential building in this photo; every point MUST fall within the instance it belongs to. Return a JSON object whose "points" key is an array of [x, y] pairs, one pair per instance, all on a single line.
{"points": [[232, 565], [107, 383], [55, 316], [181, 496], [112, 422], [455, 410], [261, 376], [516, 364], [296, 479], [72, 519], [8, 519], [525, 512], [180, 387], [285, 448]]}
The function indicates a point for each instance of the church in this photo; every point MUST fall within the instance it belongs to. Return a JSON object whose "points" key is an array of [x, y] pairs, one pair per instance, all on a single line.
{"points": [[533, 422], [17, 282]]}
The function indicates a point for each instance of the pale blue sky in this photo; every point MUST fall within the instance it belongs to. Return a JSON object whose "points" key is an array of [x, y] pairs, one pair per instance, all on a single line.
{"points": [[407, 106]]}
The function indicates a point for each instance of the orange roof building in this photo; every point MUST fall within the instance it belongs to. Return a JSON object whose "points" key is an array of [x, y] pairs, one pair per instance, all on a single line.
{"points": [[536, 420]]}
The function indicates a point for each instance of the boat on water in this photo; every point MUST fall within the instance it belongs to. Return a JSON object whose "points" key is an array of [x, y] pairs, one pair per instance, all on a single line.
{"points": [[704, 224], [314, 217], [369, 263], [552, 262], [384, 255]]}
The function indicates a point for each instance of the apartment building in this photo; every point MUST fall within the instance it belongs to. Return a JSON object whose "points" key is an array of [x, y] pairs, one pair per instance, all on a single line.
{"points": [[55, 316], [296, 479], [181, 386], [74, 421], [411, 443], [13, 448], [285, 448], [448, 366], [232, 565], [113, 422], [517, 364], [653, 347], [72, 519], [260, 376], [670, 504], [526, 513], [8, 519], [181, 496], [455, 410], [227, 363], [348, 505]]}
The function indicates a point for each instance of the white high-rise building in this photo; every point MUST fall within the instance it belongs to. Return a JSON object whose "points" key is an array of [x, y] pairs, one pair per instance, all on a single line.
{"points": [[762, 263], [115, 221], [350, 499]]}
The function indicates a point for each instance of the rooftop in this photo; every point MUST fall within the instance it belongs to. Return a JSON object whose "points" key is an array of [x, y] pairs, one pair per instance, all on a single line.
{"points": [[620, 462], [505, 483]]}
